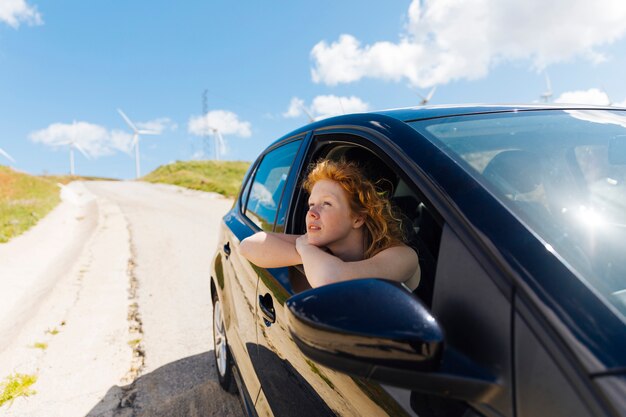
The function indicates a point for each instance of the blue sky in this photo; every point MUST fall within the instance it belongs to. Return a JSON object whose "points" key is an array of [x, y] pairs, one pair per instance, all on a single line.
{"points": [[66, 66]]}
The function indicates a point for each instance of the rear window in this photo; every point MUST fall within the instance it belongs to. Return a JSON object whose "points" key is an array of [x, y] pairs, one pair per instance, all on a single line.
{"points": [[562, 172]]}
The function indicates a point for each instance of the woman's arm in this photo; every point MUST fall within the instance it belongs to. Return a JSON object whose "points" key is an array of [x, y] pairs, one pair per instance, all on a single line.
{"points": [[270, 250], [398, 263]]}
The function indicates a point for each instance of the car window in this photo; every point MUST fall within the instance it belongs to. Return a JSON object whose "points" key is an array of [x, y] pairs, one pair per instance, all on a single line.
{"points": [[245, 188], [421, 225], [268, 184], [563, 173]]}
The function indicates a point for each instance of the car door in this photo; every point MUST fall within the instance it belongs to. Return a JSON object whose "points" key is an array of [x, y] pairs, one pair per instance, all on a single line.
{"points": [[255, 210], [291, 383], [467, 295]]}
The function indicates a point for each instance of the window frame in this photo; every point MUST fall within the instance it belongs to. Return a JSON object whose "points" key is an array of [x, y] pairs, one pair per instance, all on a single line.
{"points": [[245, 193], [361, 137]]}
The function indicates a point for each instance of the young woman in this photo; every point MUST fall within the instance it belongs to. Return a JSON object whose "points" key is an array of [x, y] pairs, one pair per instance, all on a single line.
{"points": [[351, 233]]}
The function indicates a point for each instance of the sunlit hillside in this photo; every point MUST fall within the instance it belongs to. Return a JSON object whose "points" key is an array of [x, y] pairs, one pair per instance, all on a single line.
{"points": [[24, 199], [223, 177]]}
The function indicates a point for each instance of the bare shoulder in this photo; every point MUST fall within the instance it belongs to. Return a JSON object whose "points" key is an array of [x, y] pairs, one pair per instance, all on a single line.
{"points": [[397, 252], [399, 263]]}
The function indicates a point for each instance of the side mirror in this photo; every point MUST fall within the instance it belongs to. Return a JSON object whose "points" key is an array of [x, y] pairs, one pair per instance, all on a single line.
{"points": [[356, 325], [376, 329]]}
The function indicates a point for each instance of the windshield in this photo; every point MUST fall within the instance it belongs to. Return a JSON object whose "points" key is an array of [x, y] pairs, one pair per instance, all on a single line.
{"points": [[562, 172]]}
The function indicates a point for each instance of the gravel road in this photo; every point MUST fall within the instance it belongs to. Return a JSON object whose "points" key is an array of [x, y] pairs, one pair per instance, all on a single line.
{"points": [[107, 301]]}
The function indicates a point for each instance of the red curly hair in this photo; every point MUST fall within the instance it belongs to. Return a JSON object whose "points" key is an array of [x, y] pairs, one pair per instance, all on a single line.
{"points": [[382, 226]]}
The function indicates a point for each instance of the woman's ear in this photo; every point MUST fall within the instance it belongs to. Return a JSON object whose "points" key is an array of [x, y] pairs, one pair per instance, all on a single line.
{"points": [[358, 221]]}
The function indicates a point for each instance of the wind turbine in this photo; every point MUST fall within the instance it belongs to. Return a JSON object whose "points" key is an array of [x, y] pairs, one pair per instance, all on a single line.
{"points": [[308, 114], [219, 144], [547, 95], [73, 144], [341, 105], [608, 98], [136, 133], [426, 99], [6, 155]]}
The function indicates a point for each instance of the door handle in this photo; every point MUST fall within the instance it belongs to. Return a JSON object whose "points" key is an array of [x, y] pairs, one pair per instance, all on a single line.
{"points": [[227, 249], [267, 309]]}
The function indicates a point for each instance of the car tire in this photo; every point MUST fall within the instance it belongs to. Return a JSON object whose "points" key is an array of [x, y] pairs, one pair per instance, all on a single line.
{"points": [[221, 353]]}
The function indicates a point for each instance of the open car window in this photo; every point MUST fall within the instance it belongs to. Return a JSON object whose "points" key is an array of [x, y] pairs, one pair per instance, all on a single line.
{"points": [[421, 226]]}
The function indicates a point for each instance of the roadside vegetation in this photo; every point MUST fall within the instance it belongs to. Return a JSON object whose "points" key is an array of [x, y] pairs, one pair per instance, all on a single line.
{"points": [[25, 199], [223, 177], [40, 345], [16, 385]]}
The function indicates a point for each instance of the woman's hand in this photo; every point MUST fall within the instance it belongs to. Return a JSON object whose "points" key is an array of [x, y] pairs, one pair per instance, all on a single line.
{"points": [[302, 243], [318, 264]]}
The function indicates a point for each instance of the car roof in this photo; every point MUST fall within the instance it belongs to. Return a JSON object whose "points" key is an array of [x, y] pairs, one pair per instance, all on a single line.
{"points": [[408, 114], [429, 112]]}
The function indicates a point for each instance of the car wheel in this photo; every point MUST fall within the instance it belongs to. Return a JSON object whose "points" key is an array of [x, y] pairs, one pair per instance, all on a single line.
{"points": [[223, 361]]}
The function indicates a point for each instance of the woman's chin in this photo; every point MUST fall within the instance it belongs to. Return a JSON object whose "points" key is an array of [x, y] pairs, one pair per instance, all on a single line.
{"points": [[316, 241]]}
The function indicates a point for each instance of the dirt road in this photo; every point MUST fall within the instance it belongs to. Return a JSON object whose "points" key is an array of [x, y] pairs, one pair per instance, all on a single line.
{"points": [[107, 302]]}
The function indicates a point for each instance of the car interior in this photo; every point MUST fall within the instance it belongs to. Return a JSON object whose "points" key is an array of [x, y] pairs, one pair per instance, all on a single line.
{"points": [[422, 230]]}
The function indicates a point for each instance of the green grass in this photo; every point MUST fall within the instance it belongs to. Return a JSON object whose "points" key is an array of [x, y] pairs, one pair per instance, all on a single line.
{"points": [[134, 342], [24, 199], [53, 331], [16, 385], [40, 345], [223, 177]]}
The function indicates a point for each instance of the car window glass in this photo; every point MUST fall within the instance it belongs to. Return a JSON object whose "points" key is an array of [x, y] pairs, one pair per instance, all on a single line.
{"points": [[246, 188], [269, 182], [563, 173]]}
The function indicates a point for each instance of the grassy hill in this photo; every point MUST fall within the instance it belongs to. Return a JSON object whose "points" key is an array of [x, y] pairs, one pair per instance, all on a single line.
{"points": [[223, 177], [24, 199]]}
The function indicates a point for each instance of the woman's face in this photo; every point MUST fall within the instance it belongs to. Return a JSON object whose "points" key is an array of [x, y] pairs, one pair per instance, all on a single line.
{"points": [[329, 219]]}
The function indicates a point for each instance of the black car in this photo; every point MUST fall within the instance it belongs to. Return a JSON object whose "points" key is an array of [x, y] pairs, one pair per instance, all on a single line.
{"points": [[518, 214]]}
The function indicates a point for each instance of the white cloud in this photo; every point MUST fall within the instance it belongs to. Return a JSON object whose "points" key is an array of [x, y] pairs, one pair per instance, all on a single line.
{"points": [[226, 122], [199, 154], [121, 141], [158, 125], [330, 105], [14, 12], [326, 106], [95, 140], [592, 96], [446, 40], [295, 108]]}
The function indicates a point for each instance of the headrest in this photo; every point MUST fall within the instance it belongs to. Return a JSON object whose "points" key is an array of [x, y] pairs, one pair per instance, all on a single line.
{"points": [[516, 171]]}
